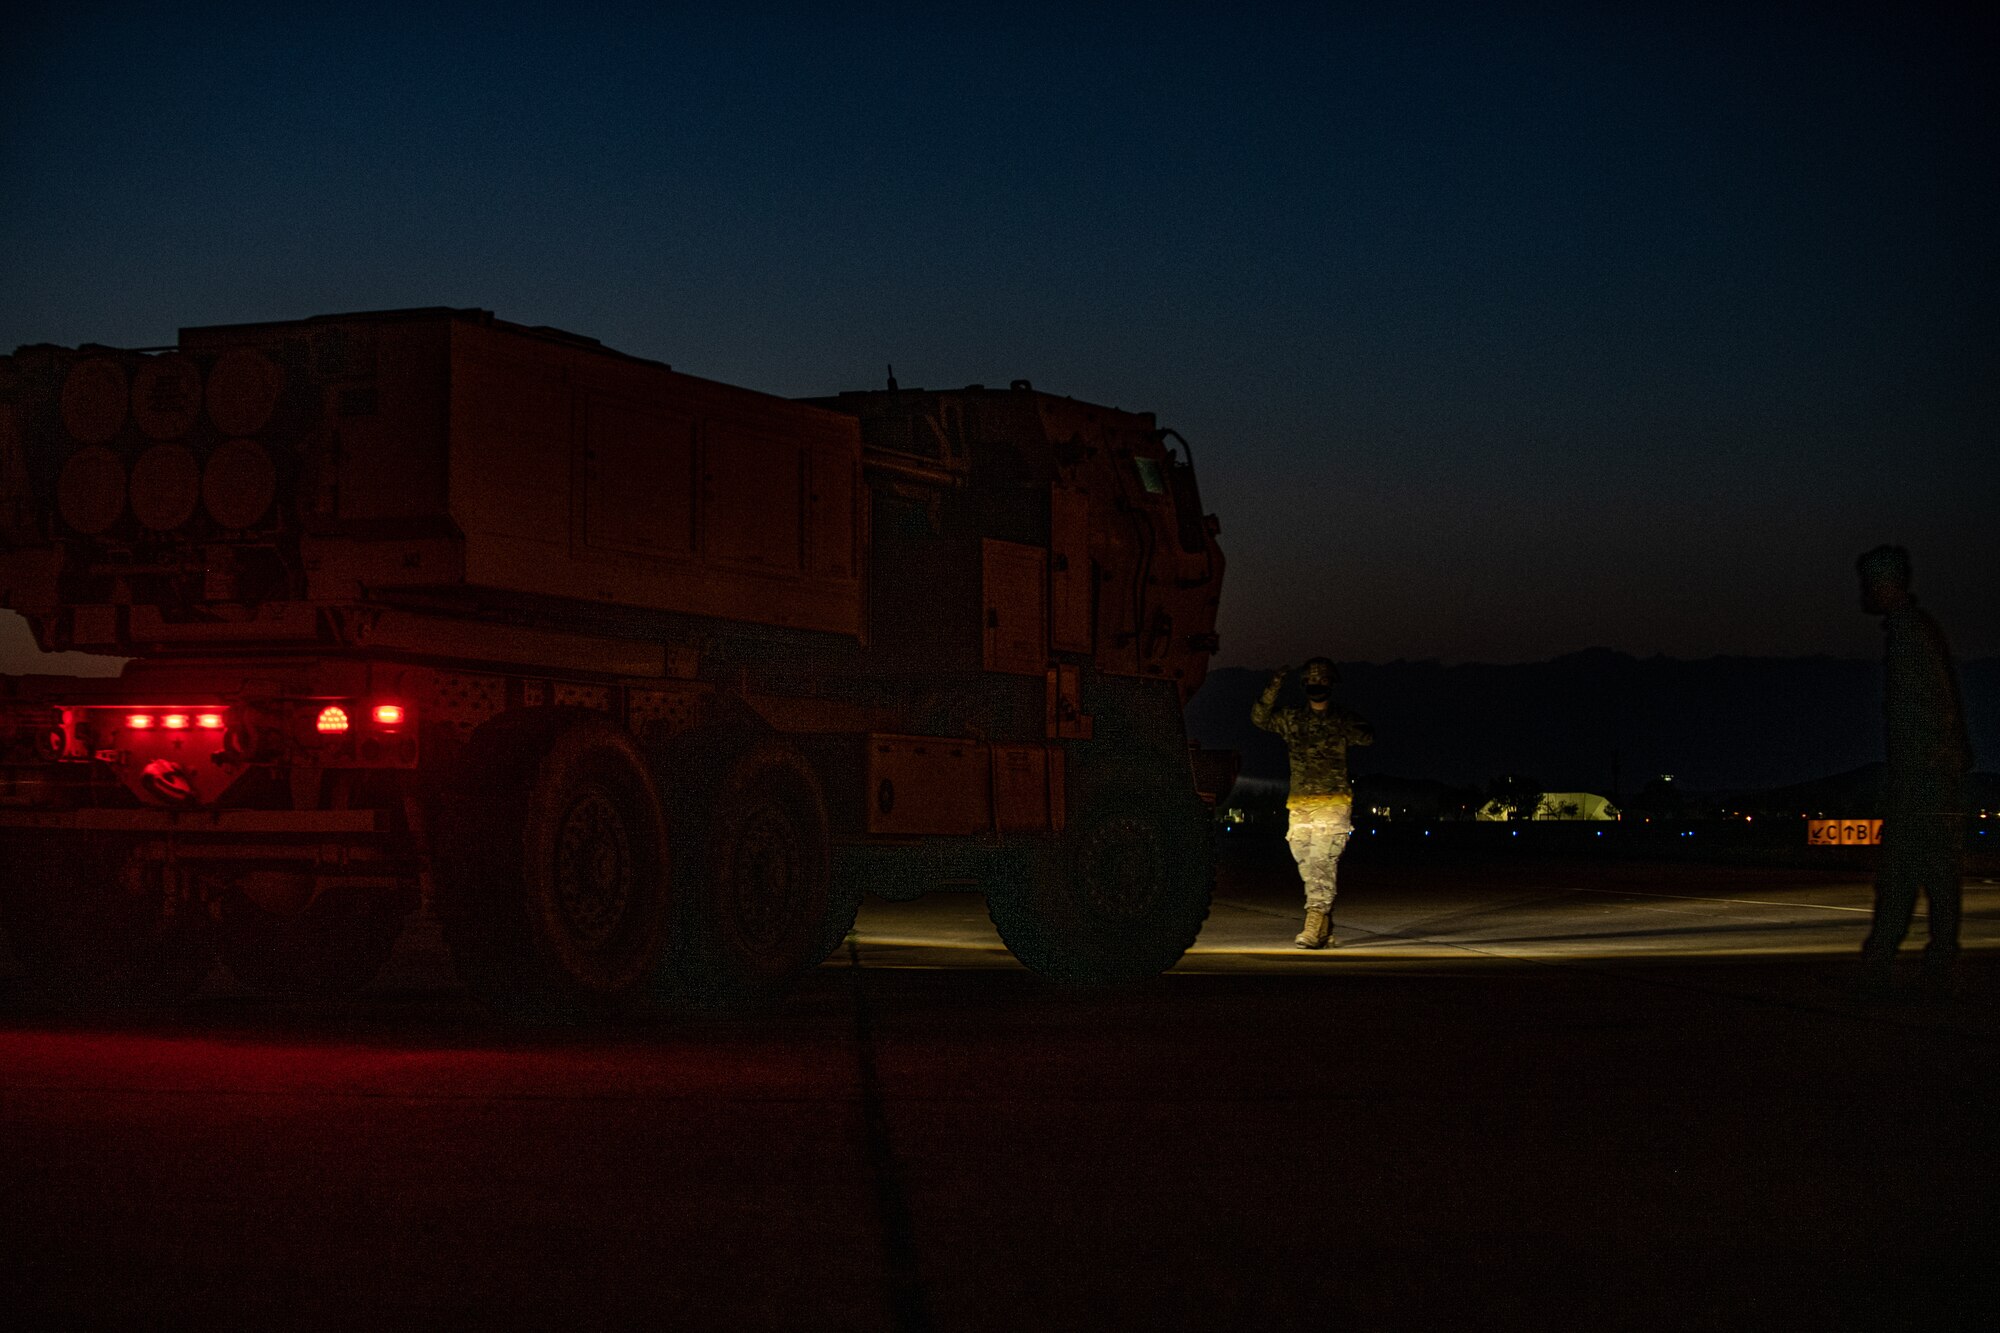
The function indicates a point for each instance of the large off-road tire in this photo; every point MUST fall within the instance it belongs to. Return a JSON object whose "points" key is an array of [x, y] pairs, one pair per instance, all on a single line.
{"points": [[552, 867], [754, 898], [334, 945], [94, 926], [1122, 892]]}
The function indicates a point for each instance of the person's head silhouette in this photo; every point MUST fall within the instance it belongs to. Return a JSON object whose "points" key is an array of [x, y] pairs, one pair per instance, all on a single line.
{"points": [[1885, 579], [1319, 675]]}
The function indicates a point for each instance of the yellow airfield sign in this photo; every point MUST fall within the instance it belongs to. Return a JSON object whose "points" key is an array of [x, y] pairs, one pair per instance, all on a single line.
{"points": [[1843, 832]]}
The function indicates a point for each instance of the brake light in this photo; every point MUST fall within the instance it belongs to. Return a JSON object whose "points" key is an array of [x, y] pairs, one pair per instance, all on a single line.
{"points": [[139, 721], [208, 721], [388, 715], [175, 721], [332, 720]]}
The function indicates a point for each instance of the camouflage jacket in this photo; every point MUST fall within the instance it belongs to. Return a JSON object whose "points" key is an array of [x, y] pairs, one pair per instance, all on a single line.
{"points": [[1929, 751], [1318, 743]]}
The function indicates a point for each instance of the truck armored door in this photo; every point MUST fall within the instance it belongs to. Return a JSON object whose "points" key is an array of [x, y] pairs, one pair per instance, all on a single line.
{"points": [[1014, 578]]}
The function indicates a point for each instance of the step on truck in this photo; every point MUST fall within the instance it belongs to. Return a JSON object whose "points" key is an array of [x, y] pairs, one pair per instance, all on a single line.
{"points": [[635, 680]]}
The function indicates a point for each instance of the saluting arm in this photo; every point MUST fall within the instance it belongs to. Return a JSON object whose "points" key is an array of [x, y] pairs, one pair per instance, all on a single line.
{"points": [[1264, 712]]}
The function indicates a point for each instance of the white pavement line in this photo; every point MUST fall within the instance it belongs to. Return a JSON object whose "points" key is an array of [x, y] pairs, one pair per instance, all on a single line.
{"points": [[1396, 936], [1407, 945], [1705, 898], [1623, 893]]}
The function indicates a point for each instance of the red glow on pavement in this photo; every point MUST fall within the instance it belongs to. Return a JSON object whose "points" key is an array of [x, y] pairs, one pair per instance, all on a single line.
{"points": [[306, 1065]]}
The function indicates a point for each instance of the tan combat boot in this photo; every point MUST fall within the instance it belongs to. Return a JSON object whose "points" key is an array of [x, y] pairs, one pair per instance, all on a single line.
{"points": [[1318, 929]]}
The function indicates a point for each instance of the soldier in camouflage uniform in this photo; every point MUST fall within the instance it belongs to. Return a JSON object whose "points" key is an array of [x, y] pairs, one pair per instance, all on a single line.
{"points": [[1321, 801], [1923, 785]]}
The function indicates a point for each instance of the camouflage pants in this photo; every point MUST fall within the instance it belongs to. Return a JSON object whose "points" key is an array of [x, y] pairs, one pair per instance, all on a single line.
{"points": [[1318, 835]]}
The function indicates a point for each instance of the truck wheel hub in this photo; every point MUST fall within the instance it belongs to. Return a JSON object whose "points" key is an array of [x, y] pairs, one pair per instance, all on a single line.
{"points": [[593, 867]]}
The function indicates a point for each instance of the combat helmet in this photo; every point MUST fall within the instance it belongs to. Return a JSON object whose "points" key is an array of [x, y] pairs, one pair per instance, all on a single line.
{"points": [[1319, 675]]}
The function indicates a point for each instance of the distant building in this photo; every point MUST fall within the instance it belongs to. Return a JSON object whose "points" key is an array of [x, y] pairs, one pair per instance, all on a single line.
{"points": [[1557, 805], [1574, 805]]}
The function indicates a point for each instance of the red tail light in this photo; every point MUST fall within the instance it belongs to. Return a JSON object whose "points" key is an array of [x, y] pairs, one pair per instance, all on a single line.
{"points": [[139, 721], [332, 720], [388, 715], [208, 721], [175, 721]]}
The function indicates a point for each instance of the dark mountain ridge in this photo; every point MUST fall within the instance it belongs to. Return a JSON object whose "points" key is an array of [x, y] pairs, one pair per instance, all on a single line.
{"points": [[1602, 721]]}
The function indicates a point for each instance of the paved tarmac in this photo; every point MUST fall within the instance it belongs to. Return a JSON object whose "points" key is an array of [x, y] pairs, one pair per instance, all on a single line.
{"points": [[1519, 1095]]}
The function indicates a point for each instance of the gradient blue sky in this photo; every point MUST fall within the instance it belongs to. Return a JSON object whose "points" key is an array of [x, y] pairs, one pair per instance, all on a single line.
{"points": [[1499, 331]]}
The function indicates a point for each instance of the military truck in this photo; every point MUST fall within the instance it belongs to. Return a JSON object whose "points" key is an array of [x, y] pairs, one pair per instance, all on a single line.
{"points": [[636, 680]]}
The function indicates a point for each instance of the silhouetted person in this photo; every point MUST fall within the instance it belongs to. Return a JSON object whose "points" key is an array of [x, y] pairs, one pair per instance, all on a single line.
{"points": [[1923, 788], [1321, 800]]}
